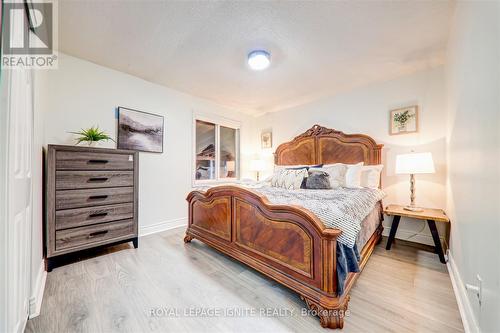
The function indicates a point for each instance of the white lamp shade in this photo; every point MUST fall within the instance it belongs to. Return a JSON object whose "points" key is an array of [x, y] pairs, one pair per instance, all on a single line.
{"points": [[230, 165], [414, 163], [257, 165]]}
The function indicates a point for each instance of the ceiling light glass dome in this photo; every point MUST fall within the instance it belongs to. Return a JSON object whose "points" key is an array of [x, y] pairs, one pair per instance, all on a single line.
{"points": [[259, 60]]}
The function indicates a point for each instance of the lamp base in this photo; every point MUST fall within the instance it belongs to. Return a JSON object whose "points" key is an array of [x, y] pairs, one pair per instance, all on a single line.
{"points": [[413, 208]]}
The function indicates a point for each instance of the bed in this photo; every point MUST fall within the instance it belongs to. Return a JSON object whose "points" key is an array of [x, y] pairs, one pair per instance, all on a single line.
{"points": [[289, 243]]}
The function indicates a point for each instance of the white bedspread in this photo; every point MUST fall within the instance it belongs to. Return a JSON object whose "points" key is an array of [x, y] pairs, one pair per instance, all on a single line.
{"points": [[340, 208]]}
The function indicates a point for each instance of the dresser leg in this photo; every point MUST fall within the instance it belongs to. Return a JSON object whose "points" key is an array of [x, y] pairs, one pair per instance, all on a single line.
{"points": [[50, 264], [135, 241]]}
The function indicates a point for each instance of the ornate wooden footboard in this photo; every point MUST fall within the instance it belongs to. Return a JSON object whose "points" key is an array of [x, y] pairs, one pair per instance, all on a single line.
{"points": [[287, 243]]}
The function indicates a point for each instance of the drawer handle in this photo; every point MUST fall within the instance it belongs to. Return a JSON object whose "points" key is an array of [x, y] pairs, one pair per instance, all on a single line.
{"points": [[98, 179], [98, 214], [98, 161], [98, 233], [95, 197]]}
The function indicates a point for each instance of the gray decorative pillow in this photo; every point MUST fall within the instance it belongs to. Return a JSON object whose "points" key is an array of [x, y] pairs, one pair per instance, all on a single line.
{"points": [[336, 172], [318, 180]]}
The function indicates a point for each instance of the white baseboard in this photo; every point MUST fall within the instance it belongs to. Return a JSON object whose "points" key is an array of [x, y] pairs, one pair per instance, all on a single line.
{"points": [[464, 306], [35, 301], [162, 226]]}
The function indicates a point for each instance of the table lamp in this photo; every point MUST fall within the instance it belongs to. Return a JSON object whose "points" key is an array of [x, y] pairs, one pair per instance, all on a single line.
{"points": [[412, 164], [257, 166]]}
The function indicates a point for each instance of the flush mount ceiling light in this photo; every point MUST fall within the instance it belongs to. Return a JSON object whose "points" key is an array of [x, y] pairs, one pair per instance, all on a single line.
{"points": [[259, 60]]}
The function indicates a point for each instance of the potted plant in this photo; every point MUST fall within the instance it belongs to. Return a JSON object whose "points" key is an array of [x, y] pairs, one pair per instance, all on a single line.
{"points": [[91, 136]]}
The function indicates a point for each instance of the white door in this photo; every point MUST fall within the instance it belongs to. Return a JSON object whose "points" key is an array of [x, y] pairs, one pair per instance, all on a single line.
{"points": [[17, 145], [19, 197]]}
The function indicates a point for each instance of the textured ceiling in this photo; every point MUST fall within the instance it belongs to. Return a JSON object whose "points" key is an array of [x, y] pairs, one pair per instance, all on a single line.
{"points": [[318, 48]]}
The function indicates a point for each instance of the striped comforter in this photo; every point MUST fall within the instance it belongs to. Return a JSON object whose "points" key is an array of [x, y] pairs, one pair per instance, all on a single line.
{"points": [[340, 208]]}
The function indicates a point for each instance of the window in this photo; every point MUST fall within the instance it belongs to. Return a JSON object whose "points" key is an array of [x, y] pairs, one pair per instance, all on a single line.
{"points": [[216, 150]]}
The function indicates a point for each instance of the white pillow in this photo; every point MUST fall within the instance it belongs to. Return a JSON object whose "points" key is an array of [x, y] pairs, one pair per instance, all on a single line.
{"points": [[370, 175], [336, 173], [289, 179], [353, 175]]}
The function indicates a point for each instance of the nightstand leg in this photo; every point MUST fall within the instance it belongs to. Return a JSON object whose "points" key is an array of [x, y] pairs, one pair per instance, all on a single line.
{"points": [[394, 228], [437, 242]]}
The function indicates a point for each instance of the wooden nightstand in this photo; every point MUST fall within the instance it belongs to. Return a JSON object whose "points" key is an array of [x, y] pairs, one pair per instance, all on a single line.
{"points": [[431, 215]]}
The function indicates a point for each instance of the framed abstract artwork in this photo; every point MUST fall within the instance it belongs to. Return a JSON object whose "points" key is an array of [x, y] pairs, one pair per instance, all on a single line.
{"points": [[140, 131], [404, 120]]}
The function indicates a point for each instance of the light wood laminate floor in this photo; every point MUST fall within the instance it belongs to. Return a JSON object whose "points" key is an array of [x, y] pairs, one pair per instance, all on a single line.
{"points": [[154, 288]]}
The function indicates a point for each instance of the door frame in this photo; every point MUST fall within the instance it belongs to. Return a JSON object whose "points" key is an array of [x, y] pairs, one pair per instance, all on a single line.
{"points": [[4, 91], [3, 191]]}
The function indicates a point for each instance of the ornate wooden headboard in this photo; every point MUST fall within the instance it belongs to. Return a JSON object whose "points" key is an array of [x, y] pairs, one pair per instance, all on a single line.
{"points": [[321, 145]]}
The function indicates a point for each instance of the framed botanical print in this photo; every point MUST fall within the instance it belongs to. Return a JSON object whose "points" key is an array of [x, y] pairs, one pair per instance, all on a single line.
{"points": [[404, 120], [266, 139]]}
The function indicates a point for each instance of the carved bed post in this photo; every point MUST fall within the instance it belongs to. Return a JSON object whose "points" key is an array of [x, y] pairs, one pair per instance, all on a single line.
{"points": [[331, 317], [188, 238], [329, 253]]}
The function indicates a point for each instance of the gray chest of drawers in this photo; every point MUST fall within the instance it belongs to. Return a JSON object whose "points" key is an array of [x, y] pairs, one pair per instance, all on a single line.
{"points": [[91, 199]]}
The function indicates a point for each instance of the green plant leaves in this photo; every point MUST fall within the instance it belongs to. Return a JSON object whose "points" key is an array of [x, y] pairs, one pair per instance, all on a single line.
{"points": [[92, 134], [403, 117]]}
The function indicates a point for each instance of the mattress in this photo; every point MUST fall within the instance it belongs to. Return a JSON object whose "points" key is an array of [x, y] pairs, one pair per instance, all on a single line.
{"points": [[368, 226]]}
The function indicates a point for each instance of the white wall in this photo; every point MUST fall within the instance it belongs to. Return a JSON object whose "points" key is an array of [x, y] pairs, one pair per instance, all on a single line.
{"points": [[473, 145], [82, 94], [366, 110]]}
